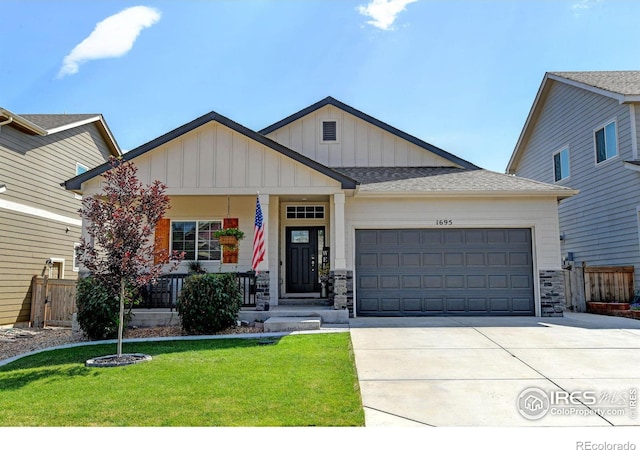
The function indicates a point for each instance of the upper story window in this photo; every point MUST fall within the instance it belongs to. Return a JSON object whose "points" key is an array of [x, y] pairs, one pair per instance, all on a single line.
{"points": [[329, 131], [195, 238], [80, 169], [561, 164], [606, 142]]}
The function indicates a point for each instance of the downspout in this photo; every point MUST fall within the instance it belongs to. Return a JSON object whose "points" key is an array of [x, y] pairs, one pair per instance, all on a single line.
{"points": [[7, 122]]}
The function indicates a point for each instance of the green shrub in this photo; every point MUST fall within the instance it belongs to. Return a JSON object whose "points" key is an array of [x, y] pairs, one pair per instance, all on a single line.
{"points": [[209, 303], [97, 308]]}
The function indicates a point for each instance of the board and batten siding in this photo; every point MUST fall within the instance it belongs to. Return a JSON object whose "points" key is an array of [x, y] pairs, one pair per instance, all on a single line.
{"points": [[360, 144], [600, 224], [33, 168], [215, 160]]}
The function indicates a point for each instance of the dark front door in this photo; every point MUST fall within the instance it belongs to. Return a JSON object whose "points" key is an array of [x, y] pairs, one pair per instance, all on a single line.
{"points": [[303, 258]]}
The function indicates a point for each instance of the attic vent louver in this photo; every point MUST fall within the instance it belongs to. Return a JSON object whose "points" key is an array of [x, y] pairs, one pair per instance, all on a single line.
{"points": [[329, 130]]}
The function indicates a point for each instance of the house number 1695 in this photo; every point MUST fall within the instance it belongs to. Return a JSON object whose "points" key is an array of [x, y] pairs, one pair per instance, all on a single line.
{"points": [[444, 222]]}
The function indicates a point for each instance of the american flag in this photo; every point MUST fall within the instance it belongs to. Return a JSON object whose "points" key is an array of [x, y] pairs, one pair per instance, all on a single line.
{"points": [[258, 238]]}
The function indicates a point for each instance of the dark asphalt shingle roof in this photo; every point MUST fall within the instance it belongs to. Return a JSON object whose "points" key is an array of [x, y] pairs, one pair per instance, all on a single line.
{"points": [[441, 179], [625, 82], [51, 121]]}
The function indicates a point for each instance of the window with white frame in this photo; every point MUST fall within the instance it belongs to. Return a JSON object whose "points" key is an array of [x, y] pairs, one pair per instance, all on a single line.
{"points": [[305, 212], [606, 142], [76, 265], [329, 129], [561, 164], [196, 239]]}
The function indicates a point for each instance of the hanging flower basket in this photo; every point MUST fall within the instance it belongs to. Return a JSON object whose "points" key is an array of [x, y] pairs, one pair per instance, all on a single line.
{"points": [[228, 240]]}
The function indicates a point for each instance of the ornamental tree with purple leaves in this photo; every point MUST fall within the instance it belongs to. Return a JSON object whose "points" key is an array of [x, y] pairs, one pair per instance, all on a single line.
{"points": [[120, 222]]}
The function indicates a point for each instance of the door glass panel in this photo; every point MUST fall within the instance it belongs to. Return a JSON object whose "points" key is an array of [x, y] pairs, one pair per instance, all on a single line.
{"points": [[300, 236]]}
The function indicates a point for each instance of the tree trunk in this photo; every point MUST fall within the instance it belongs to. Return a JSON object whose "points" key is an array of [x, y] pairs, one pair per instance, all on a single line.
{"points": [[121, 317]]}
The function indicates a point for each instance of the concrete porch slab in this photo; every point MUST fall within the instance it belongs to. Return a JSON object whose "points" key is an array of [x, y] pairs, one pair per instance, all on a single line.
{"points": [[290, 323]]}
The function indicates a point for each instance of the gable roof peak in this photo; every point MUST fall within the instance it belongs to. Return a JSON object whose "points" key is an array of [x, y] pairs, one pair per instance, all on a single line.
{"points": [[373, 121]]}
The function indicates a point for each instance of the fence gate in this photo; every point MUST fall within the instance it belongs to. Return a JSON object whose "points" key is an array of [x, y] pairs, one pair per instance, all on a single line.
{"points": [[53, 301]]}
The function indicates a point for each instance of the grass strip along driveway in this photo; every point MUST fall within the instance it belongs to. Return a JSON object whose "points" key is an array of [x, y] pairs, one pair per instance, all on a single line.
{"points": [[297, 380]]}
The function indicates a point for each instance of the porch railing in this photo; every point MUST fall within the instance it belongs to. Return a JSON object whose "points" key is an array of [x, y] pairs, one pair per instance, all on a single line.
{"points": [[164, 293]]}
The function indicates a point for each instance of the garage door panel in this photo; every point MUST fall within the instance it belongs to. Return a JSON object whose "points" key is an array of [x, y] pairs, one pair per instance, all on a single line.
{"points": [[368, 260], [477, 304], [456, 304], [522, 304], [368, 282], [497, 259], [411, 282], [390, 304], [432, 281], [432, 259], [454, 259], [499, 305], [519, 259], [521, 282], [412, 305], [411, 259], [444, 271], [433, 305], [389, 282]]}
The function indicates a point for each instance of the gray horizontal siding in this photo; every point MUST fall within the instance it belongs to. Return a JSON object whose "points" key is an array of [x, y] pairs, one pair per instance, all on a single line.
{"points": [[600, 224], [32, 168], [26, 243]]}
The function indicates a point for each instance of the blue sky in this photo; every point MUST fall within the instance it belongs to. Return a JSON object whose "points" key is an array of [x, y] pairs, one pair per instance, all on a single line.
{"points": [[459, 74]]}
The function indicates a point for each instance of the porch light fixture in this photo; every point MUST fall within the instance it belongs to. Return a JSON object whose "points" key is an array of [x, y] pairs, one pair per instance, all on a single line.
{"points": [[3, 188]]}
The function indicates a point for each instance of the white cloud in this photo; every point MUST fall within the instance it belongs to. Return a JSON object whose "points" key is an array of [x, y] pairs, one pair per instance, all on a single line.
{"points": [[383, 12], [111, 38], [584, 4]]}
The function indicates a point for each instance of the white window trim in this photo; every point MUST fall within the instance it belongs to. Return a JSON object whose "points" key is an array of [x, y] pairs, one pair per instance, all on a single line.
{"points": [[75, 265], [321, 128], [324, 211], [196, 221], [553, 164], [595, 147]]}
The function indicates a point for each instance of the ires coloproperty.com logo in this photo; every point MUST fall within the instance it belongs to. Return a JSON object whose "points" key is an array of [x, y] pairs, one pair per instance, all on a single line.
{"points": [[534, 403]]}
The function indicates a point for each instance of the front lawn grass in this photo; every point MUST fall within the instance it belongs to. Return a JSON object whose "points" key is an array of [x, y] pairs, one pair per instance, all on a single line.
{"points": [[300, 380]]}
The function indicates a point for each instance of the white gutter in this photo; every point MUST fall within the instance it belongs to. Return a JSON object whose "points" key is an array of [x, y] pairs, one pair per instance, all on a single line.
{"points": [[23, 122]]}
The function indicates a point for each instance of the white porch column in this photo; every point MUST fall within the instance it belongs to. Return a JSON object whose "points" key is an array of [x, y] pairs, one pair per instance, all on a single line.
{"points": [[338, 231]]}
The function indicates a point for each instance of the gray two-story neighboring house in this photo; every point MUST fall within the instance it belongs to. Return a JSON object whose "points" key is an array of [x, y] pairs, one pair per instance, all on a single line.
{"points": [[39, 221], [582, 132]]}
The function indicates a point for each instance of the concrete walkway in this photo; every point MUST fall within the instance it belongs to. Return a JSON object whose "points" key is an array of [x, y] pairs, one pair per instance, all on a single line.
{"points": [[447, 371]]}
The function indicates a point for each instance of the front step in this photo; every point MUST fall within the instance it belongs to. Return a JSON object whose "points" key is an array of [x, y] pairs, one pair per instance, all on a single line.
{"points": [[291, 323]]}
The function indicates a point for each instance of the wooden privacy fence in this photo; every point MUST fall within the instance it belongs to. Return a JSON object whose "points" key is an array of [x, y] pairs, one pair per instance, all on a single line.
{"points": [[608, 284], [53, 301]]}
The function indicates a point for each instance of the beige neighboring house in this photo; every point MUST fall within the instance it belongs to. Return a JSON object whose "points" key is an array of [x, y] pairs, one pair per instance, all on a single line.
{"points": [[39, 220], [403, 227]]}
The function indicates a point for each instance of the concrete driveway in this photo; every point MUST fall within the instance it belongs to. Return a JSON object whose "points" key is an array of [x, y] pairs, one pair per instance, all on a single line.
{"points": [[577, 370]]}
